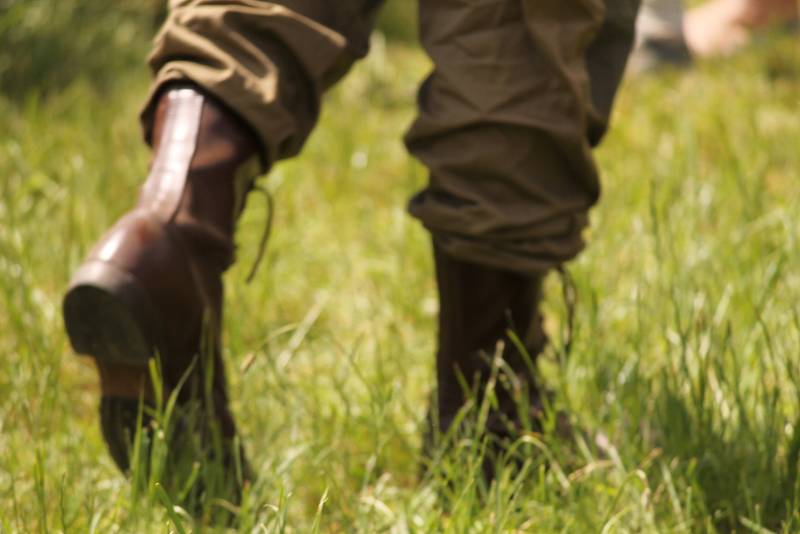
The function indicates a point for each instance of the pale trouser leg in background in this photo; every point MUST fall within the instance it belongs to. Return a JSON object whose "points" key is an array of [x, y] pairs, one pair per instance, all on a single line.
{"points": [[660, 38], [660, 19]]}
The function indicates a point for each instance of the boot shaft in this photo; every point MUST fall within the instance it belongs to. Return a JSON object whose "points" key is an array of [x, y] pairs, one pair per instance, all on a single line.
{"points": [[204, 163], [479, 305]]}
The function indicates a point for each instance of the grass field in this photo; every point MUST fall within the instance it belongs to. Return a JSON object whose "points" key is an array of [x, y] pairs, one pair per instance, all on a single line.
{"points": [[685, 361]]}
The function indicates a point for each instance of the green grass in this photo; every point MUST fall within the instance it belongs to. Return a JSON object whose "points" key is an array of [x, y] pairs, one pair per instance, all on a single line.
{"points": [[684, 360]]}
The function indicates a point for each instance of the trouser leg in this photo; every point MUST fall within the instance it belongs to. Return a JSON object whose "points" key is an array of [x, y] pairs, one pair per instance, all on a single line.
{"points": [[520, 93], [269, 62]]}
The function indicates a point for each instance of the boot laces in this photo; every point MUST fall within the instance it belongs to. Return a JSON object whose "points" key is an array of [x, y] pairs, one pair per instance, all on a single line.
{"points": [[570, 295], [265, 234]]}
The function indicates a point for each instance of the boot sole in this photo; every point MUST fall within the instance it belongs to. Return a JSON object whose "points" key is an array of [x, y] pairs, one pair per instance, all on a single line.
{"points": [[109, 316]]}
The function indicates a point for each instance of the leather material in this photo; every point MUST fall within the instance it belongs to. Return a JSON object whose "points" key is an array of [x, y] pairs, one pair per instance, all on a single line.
{"points": [[478, 306], [179, 123], [119, 417], [173, 247]]}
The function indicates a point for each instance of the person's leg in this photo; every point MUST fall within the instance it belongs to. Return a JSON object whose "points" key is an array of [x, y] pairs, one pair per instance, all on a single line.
{"points": [[237, 87], [720, 27], [520, 94]]}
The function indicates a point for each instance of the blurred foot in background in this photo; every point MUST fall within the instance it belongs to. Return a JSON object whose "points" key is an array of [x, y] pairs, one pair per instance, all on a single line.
{"points": [[720, 27]]}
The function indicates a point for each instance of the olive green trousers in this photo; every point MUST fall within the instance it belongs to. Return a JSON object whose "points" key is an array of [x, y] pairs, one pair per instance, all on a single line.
{"points": [[520, 94]]}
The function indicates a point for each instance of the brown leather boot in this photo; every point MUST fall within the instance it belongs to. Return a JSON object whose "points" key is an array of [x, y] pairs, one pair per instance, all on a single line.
{"points": [[152, 286], [478, 306]]}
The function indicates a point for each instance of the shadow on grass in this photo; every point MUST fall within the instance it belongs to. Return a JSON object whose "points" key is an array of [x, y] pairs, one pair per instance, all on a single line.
{"points": [[733, 432]]}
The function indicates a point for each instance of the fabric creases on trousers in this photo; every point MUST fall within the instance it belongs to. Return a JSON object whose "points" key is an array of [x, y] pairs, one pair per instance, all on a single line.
{"points": [[520, 93], [267, 61]]}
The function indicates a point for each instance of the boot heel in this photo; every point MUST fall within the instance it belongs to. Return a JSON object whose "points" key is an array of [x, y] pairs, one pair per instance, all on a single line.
{"points": [[109, 316]]}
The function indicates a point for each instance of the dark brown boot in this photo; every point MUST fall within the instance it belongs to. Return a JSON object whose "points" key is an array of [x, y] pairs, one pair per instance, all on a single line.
{"points": [[152, 286], [478, 306]]}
